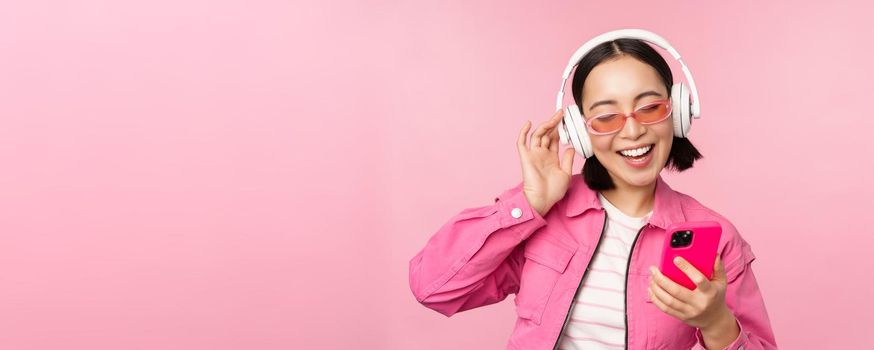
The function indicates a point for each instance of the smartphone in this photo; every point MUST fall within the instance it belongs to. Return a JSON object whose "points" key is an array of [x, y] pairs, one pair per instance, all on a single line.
{"points": [[697, 242]]}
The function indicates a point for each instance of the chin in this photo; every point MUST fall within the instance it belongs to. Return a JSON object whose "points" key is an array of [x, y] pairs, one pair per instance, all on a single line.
{"points": [[643, 179], [639, 177]]}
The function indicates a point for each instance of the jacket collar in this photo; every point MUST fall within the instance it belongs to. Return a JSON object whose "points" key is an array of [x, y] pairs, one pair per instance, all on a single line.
{"points": [[666, 210]]}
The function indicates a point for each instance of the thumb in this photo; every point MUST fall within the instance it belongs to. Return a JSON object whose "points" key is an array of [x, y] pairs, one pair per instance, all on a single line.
{"points": [[567, 160], [718, 269]]}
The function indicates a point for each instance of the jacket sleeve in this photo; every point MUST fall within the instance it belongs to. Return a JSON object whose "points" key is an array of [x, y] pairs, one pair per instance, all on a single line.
{"points": [[745, 301], [475, 259]]}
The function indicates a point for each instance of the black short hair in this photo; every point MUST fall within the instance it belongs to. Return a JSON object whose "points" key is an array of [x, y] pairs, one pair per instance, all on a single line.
{"points": [[683, 154]]}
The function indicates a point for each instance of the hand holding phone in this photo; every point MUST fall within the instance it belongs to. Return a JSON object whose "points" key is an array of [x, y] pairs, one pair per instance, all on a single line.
{"points": [[697, 242]]}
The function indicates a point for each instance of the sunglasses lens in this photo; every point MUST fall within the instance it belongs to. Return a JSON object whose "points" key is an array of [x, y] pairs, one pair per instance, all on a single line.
{"points": [[652, 113], [649, 114], [608, 122]]}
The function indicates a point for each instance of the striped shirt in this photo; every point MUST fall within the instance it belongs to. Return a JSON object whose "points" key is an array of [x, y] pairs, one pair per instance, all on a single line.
{"points": [[598, 314]]}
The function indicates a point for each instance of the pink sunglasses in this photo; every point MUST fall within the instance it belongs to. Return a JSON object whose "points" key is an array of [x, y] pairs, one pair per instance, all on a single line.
{"points": [[609, 123]]}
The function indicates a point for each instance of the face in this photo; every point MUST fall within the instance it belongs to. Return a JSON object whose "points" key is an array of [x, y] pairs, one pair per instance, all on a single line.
{"points": [[624, 84]]}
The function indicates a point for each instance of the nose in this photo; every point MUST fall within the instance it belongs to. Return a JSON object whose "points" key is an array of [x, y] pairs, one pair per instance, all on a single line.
{"points": [[632, 129]]}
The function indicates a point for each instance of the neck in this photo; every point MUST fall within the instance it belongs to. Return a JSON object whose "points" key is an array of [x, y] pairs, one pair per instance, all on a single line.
{"points": [[632, 200]]}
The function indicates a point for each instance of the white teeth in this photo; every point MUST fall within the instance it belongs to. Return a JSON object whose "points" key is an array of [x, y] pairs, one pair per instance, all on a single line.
{"points": [[636, 152]]}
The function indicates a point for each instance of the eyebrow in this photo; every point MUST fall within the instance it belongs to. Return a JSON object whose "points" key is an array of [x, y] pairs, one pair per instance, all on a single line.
{"points": [[613, 102]]}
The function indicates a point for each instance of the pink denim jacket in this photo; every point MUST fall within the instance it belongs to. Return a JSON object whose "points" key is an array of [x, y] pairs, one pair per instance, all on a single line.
{"points": [[483, 254]]}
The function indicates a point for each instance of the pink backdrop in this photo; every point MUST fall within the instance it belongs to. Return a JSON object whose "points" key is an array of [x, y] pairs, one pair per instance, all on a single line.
{"points": [[257, 174]]}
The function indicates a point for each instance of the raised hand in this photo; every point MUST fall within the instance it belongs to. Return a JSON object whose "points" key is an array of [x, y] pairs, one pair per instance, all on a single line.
{"points": [[545, 179]]}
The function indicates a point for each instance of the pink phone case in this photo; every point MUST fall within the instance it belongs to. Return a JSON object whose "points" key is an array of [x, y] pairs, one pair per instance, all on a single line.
{"points": [[701, 252]]}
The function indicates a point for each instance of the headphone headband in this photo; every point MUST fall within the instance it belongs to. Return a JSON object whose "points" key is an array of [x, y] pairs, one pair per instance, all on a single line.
{"points": [[629, 34]]}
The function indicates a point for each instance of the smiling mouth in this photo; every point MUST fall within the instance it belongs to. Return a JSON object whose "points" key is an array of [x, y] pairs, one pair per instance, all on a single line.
{"points": [[637, 153]]}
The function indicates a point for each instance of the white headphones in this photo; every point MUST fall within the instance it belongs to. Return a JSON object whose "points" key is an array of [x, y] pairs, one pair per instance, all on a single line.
{"points": [[573, 125]]}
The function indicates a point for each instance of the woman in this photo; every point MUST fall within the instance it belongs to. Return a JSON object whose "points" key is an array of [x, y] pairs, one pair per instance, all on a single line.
{"points": [[580, 252]]}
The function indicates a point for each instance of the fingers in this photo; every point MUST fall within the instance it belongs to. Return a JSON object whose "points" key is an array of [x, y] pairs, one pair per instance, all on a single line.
{"points": [[676, 290], [546, 135], [543, 130], [718, 270], [523, 136], [543, 142], [553, 140], [666, 302], [665, 308], [696, 276], [567, 161]]}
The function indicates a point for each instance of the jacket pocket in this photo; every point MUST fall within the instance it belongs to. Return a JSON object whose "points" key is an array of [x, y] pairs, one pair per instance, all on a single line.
{"points": [[546, 259]]}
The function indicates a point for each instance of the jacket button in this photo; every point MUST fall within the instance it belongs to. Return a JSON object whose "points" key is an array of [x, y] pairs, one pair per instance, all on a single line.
{"points": [[516, 212]]}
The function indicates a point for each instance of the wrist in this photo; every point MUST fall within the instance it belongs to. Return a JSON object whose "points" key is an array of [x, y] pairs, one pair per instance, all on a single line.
{"points": [[542, 211], [724, 324], [536, 205]]}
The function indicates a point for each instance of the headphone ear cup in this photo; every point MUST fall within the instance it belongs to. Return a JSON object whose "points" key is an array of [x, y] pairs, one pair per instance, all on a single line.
{"points": [[681, 110], [576, 128], [562, 129], [687, 110]]}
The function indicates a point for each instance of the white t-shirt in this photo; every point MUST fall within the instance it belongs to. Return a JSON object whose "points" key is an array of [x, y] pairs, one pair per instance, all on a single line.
{"points": [[597, 318]]}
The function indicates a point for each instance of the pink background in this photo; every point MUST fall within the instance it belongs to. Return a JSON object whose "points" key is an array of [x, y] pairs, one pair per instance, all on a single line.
{"points": [[257, 174]]}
